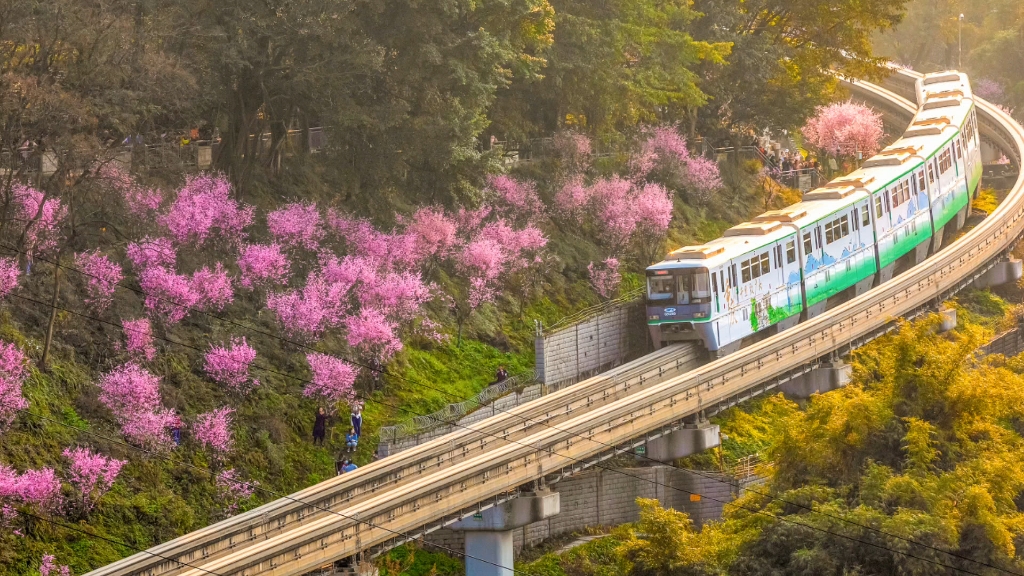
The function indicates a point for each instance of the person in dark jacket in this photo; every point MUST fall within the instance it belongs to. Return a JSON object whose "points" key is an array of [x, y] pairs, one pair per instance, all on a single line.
{"points": [[320, 427], [501, 375]]}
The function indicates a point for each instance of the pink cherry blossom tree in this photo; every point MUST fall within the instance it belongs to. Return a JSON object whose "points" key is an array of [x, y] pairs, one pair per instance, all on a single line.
{"points": [[138, 336], [844, 129], [232, 490], [91, 475], [212, 430], [990, 90], [103, 277], [212, 288], [297, 225], [204, 206], [605, 278], [133, 395], [333, 379], [39, 487], [309, 311], [262, 266], [168, 293], [10, 273], [229, 365], [41, 217], [652, 209], [373, 334], [151, 252], [434, 233], [12, 375], [49, 566], [573, 152], [139, 200], [518, 199]]}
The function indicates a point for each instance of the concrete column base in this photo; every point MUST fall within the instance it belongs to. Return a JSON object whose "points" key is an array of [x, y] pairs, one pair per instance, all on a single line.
{"points": [[489, 550], [937, 240], [819, 380], [948, 319], [1003, 272], [684, 442]]}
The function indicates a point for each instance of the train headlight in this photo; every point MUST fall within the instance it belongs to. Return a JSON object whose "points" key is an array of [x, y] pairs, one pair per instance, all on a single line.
{"points": [[700, 315], [653, 317]]}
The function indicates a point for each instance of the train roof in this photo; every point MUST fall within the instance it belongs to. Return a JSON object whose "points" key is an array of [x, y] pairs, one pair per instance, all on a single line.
{"points": [[737, 241]]}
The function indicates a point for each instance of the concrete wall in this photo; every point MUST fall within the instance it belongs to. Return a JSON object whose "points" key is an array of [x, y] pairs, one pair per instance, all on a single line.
{"points": [[1009, 343], [608, 498], [590, 346]]}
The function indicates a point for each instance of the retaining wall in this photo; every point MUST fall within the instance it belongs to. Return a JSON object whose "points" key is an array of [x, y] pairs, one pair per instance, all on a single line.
{"points": [[593, 345]]}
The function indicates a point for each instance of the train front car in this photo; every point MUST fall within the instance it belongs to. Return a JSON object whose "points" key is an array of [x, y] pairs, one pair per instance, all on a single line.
{"points": [[727, 291]]}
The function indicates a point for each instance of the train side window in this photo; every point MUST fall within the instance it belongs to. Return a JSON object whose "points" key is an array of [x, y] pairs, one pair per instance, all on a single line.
{"points": [[745, 275], [865, 217], [714, 283], [817, 237], [766, 265], [790, 251], [721, 276], [856, 219], [844, 225], [920, 181], [885, 200], [878, 207], [931, 174], [732, 274], [959, 151], [807, 243], [778, 256]]}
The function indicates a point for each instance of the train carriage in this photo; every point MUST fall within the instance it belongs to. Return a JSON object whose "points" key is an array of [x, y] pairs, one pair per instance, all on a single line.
{"points": [[837, 242]]}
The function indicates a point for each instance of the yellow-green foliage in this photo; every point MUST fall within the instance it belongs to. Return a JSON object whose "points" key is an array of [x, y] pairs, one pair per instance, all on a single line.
{"points": [[925, 444], [986, 201]]}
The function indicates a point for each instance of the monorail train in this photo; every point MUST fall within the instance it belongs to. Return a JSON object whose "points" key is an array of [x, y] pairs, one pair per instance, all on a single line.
{"points": [[839, 241]]}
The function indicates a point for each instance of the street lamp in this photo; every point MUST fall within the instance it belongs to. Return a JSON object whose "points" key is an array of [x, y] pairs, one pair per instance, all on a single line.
{"points": [[960, 43]]}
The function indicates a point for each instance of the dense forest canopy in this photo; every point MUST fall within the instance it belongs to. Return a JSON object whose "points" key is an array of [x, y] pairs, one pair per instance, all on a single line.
{"points": [[392, 187]]}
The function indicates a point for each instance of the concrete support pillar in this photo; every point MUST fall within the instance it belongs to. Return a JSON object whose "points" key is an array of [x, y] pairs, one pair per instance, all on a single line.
{"points": [[948, 319], [489, 550], [822, 379], [684, 442], [1004, 272]]}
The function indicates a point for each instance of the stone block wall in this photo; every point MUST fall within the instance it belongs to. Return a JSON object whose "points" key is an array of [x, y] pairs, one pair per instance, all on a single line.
{"points": [[608, 498]]}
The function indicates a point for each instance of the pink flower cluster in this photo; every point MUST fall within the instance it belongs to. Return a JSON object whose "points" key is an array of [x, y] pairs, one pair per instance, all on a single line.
{"points": [[213, 430], [619, 208], [989, 89], [49, 564], [332, 378], [262, 265], [844, 129], [9, 274], [40, 487], [42, 218], [373, 334], [151, 252], [233, 490], [138, 336], [664, 145], [173, 295], [204, 205], [573, 150], [12, 376], [91, 474], [104, 276], [519, 199], [309, 311], [229, 365], [606, 278], [297, 225], [139, 200], [433, 232], [133, 395]]}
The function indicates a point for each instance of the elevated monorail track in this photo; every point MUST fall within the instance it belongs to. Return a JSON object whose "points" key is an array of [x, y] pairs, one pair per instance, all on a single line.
{"points": [[448, 478]]}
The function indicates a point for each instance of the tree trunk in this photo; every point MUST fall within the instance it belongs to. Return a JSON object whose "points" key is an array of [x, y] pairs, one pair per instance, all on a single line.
{"points": [[53, 316]]}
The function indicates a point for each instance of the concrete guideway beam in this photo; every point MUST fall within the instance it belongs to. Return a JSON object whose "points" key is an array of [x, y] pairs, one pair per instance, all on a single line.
{"points": [[1004, 272], [489, 545], [825, 378], [684, 442]]}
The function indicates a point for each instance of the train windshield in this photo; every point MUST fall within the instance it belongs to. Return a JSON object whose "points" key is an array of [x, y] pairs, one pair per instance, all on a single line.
{"points": [[681, 286]]}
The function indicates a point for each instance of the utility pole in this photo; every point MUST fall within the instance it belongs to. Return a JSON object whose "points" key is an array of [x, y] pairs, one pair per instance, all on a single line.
{"points": [[960, 43]]}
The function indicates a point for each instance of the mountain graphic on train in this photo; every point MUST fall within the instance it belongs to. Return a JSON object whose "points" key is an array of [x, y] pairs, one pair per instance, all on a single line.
{"points": [[839, 241]]}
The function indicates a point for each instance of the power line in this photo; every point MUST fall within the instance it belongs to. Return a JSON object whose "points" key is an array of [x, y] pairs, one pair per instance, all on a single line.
{"points": [[522, 418]]}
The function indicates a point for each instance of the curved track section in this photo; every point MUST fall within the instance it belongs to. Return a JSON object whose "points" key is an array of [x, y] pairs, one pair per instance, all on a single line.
{"points": [[449, 478]]}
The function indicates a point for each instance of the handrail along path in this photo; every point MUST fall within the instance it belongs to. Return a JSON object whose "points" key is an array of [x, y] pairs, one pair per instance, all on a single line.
{"points": [[447, 478]]}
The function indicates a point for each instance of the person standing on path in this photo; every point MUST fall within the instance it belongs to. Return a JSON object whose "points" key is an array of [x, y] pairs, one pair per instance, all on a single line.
{"points": [[320, 427], [501, 375], [357, 420]]}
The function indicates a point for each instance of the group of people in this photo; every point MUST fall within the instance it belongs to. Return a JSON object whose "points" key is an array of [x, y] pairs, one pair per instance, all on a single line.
{"points": [[788, 161]]}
